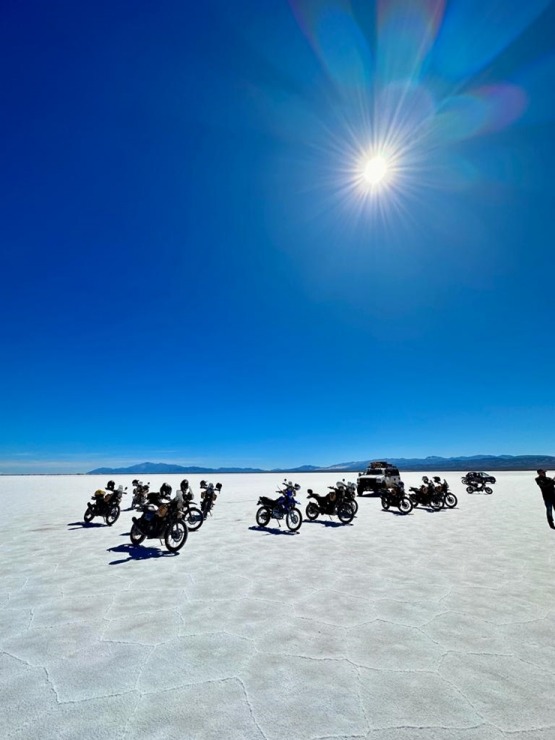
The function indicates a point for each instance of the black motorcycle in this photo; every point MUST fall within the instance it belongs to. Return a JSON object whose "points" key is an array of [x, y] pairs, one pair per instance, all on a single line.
{"points": [[426, 496], [449, 498], [192, 514], [395, 496], [106, 504], [161, 519], [140, 493], [334, 503], [284, 507], [478, 487], [209, 494]]}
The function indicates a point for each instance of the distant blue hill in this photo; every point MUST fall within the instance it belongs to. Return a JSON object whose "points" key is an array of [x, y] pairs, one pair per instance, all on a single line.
{"points": [[473, 462]]}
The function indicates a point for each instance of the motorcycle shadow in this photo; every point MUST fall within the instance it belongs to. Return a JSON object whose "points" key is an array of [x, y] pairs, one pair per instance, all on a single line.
{"points": [[271, 530], [325, 523], [396, 512], [84, 525], [138, 552]]}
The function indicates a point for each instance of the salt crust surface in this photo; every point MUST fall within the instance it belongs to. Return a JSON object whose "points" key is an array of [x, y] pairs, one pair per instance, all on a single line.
{"points": [[433, 626]]}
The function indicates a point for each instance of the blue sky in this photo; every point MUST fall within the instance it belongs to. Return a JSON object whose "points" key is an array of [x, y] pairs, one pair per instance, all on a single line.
{"points": [[193, 269]]}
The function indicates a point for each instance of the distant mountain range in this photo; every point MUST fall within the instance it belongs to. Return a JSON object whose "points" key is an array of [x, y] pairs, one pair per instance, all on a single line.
{"points": [[475, 462]]}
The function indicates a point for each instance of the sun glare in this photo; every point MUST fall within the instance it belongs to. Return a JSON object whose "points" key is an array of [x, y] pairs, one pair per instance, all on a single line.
{"points": [[376, 170]]}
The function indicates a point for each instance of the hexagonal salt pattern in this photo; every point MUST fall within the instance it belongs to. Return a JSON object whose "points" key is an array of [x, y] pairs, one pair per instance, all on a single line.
{"points": [[432, 626]]}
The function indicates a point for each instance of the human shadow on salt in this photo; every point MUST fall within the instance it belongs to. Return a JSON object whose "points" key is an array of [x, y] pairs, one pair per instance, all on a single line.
{"points": [[138, 552], [85, 525], [271, 530]]}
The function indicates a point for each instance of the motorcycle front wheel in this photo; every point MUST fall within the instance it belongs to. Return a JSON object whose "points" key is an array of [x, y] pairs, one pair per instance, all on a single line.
{"points": [[345, 514], [89, 514], [385, 503], [436, 503], [136, 535], [263, 516], [175, 535], [113, 515], [354, 505], [487, 489], [451, 500], [312, 511], [294, 519], [405, 505], [194, 518]]}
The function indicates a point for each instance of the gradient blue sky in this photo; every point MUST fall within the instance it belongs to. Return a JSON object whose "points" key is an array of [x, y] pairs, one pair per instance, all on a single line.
{"points": [[190, 272]]}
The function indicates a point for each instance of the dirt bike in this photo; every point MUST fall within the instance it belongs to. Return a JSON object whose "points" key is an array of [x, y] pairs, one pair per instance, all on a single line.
{"points": [[106, 505], [334, 503], [284, 507], [395, 496], [208, 497], [449, 498], [163, 521]]}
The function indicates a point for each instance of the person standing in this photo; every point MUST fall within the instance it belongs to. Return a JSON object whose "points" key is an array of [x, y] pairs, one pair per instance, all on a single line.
{"points": [[547, 487]]}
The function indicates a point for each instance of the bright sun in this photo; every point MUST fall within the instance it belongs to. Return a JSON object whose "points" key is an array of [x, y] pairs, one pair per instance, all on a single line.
{"points": [[375, 170]]}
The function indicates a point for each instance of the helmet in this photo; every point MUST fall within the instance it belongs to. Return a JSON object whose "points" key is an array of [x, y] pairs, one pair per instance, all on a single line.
{"points": [[135, 482], [203, 484], [184, 485], [165, 489], [425, 479], [437, 479], [219, 486], [110, 485]]}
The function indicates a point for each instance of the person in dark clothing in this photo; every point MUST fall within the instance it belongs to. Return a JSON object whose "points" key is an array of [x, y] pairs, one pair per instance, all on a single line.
{"points": [[547, 487]]}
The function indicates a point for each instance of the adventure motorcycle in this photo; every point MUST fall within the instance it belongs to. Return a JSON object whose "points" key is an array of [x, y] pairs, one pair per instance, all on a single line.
{"points": [[478, 487], [395, 496], [208, 497], [449, 498], [106, 504], [426, 496], [334, 503], [192, 514], [283, 507], [162, 519], [140, 492]]}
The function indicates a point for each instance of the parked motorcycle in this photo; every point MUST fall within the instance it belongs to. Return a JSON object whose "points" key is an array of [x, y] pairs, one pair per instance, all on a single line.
{"points": [[476, 487], [208, 497], [106, 504], [192, 514], [140, 492], [395, 496], [334, 503], [442, 488], [163, 520], [284, 507]]}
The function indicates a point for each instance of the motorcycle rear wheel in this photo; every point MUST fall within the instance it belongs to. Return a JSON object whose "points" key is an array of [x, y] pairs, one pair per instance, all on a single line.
{"points": [[405, 505], [263, 516], [345, 514], [136, 535], [194, 519], [113, 515], [312, 511], [451, 500], [89, 514], [436, 503], [294, 519], [470, 489], [175, 535]]}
